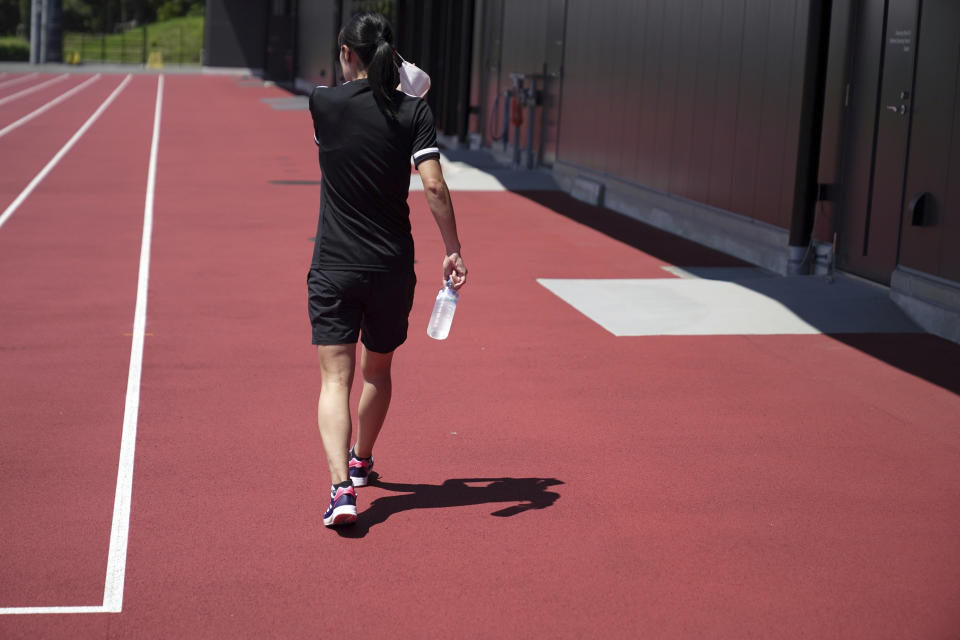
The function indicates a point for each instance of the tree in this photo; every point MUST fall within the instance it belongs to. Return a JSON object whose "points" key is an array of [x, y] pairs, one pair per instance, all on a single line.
{"points": [[107, 16], [9, 17], [23, 29]]}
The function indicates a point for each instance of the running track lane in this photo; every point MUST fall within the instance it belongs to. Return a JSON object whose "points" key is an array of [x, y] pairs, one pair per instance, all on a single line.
{"points": [[13, 111], [46, 83], [13, 84], [31, 146], [730, 486], [69, 260]]}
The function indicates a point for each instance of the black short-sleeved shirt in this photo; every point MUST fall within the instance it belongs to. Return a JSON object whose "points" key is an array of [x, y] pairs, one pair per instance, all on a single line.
{"points": [[364, 220]]}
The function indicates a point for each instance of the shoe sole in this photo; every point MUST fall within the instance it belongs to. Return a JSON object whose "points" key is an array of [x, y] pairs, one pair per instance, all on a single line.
{"points": [[341, 515], [358, 482]]}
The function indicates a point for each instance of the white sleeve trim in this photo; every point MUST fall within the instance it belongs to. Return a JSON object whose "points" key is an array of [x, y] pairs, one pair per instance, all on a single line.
{"points": [[424, 152], [315, 138]]}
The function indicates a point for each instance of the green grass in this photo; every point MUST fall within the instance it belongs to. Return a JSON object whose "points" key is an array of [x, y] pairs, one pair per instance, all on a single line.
{"points": [[179, 41], [14, 49]]}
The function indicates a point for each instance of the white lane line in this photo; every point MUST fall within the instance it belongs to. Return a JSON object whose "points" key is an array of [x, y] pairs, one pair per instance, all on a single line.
{"points": [[15, 611], [120, 528], [17, 80], [117, 561], [30, 116], [36, 87], [53, 162]]}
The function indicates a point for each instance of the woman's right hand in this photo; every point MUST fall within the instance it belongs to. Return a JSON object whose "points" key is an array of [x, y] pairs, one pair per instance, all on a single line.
{"points": [[454, 271]]}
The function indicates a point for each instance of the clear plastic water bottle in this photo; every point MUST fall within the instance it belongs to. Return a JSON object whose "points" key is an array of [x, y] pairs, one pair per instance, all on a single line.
{"points": [[443, 310]]}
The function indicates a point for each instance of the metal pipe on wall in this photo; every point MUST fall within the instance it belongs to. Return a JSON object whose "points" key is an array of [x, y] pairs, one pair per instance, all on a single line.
{"points": [[806, 188], [530, 97], [516, 113]]}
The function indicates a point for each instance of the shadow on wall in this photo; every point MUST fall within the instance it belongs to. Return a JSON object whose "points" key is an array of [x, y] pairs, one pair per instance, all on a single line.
{"points": [[517, 495]]}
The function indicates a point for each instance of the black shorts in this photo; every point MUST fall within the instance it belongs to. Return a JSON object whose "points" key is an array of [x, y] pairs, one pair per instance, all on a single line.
{"points": [[371, 305]]}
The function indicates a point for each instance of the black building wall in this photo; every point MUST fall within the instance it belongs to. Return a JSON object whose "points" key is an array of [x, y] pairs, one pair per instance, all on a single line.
{"points": [[694, 99], [236, 33]]}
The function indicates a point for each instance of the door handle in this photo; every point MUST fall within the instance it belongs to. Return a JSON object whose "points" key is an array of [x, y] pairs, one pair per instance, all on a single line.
{"points": [[920, 210], [902, 109]]}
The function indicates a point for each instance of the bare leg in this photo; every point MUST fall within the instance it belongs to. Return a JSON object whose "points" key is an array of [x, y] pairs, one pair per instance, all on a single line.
{"points": [[375, 399], [337, 363]]}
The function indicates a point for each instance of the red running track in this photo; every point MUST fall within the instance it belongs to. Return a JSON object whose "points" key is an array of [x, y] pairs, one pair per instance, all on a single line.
{"points": [[15, 109], [68, 257], [539, 476]]}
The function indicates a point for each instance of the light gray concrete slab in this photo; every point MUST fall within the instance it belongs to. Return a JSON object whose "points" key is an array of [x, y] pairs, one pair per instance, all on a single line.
{"points": [[294, 103], [477, 171], [751, 306]]}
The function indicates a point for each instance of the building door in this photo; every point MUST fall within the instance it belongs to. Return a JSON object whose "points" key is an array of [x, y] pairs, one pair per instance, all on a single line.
{"points": [[931, 218], [879, 96]]}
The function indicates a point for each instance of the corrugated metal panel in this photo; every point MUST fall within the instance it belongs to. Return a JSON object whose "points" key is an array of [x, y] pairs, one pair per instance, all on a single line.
{"points": [[616, 68], [793, 108], [648, 100], [747, 145], [633, 86], [667, 96], [774, 107], [681, 148], [577, 81], [555, 39], [728, 91], [698, 99], [705, 102]]}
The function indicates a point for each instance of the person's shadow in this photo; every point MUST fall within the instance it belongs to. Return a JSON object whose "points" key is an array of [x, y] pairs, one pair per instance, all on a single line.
{"points": [[525, 493]]}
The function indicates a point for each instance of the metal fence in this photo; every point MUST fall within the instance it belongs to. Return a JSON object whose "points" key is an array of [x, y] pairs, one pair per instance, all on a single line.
{"points": [[134, 46]]}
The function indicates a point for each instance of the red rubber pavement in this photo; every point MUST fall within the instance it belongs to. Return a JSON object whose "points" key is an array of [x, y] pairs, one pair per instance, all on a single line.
{"points": [[28, 148], [539, 476], [16, 109], [69, 259]]}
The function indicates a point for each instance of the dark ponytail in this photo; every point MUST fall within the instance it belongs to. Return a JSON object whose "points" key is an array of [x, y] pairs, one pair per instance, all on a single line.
{"points": [[369, 36]]}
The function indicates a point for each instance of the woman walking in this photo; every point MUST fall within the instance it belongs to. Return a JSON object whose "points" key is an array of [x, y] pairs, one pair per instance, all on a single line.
{"points": [[361, 279]]}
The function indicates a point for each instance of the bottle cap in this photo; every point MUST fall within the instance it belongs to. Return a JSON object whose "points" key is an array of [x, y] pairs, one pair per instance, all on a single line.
{"points": [[448, 287]]}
